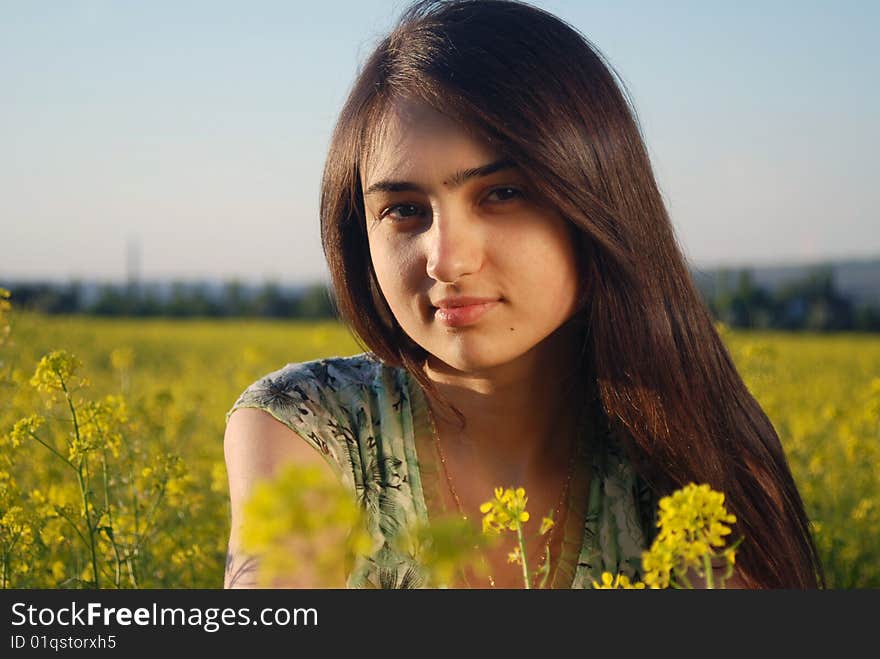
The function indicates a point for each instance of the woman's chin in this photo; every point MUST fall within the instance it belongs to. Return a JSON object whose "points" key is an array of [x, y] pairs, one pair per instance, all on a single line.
{"points": [[470, 357]]}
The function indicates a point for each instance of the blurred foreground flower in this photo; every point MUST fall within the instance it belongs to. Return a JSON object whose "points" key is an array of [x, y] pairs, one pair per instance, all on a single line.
{"points": [[443, 547], [304, 527]]}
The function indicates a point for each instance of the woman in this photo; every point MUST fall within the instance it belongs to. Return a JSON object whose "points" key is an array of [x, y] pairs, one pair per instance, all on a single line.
{"points": [[497, 240]]}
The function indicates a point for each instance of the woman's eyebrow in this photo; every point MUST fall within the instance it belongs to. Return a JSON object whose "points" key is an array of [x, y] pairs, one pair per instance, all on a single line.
{"points": [[452, 181]]}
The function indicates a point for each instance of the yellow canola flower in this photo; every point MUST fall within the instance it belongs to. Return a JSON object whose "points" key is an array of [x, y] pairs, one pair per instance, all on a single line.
{"points": [[24, 428], [515, 556], [219, 482], [658, 563], [100, 427], [693, 522], [619, 582], [862, 510], [507, 511], [56, 372], [103, 423], [121, 358], [301, 514], [58, 570], [15, 530], [694, 513]]}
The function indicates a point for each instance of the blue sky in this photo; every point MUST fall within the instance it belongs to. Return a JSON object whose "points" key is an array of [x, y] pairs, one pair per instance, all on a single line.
{"points": [[198, 130]]}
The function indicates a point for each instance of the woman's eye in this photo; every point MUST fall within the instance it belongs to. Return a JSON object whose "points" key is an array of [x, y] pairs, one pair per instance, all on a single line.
{"points": [[504, 194], [402, 211]]}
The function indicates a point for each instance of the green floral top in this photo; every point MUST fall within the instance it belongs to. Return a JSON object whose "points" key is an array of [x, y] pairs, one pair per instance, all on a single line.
{"points": [[370, 423]]}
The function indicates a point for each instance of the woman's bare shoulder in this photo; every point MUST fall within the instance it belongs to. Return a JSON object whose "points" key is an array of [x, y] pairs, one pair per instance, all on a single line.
{"points": [[256, 447], [257, 444]]}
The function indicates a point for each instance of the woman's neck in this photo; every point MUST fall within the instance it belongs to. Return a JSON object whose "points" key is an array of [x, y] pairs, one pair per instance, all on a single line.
{"points": [[519, 415]]}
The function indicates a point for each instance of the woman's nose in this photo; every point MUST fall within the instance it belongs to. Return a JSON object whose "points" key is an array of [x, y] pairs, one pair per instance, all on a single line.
{"points": [[454, 247]]}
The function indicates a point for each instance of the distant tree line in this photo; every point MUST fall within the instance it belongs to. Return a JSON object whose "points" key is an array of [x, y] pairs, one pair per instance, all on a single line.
{"points": [[183, 300], [810, 303]]}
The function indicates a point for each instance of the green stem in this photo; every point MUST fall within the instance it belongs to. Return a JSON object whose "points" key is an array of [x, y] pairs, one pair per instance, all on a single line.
{"points": [[728, 572], [681, 580], [147, 532], [6, 553], [129, 563], [73, 525], [522, 551], [5, 567], [89, 526], [111, 535], [129, 557], [53, 450], [83, 488], [707, 568]]}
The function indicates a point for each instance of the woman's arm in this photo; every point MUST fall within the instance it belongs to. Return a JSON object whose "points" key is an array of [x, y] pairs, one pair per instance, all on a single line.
{"points": [[256, 446]]}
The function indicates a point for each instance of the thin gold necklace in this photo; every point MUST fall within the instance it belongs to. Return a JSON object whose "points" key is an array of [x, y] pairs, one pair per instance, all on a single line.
{"points": [[565, 488]]}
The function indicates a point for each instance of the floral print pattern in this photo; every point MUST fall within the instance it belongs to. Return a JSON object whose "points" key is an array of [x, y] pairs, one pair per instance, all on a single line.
{"points": [[366, 418]]}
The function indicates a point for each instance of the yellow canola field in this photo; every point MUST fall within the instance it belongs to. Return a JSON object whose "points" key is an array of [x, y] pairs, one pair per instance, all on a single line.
{"points": [[135, 496]]}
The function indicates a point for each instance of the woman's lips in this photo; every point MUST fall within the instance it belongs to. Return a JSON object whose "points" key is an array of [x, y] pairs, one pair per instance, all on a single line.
{"points": [[464, 315]]}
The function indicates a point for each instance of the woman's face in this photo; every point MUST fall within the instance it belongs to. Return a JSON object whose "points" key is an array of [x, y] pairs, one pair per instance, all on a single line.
{"points": [[474, 267]]}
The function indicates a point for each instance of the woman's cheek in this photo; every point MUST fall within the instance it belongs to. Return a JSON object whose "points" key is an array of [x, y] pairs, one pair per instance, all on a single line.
{"points": [[394, 272], [399, 261]]}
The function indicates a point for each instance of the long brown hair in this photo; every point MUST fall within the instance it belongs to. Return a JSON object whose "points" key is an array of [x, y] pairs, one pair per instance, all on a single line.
{"points": [[545, 98]]}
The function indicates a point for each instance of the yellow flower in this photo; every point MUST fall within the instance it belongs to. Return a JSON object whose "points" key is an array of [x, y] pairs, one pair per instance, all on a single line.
{"points": [[301, 514], [547, 523], [619, 582], [515, 556], [692, 522], [607, 582], [15, 530], [57, 371], [24, 428], [730, 555], [219, 481], [507, 511], [625, 583], [100, 427], [121, 358]]}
